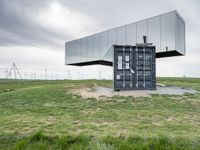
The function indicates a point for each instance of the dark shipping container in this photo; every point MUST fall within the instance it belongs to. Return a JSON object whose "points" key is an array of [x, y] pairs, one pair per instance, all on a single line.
{"points": [[134, 67]]}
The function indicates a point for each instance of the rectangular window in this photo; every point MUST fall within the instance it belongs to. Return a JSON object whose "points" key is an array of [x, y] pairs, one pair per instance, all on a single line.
{"points": [[118, 77], [127, 57], [119, 63], [127, 66]]}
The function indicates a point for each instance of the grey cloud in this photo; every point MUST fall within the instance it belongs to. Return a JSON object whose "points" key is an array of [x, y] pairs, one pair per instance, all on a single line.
{"points": [[17, 26], [114, 13]]}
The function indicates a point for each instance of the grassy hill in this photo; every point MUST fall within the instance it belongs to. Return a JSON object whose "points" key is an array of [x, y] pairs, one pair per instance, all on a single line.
{"points": [[45, 115]]}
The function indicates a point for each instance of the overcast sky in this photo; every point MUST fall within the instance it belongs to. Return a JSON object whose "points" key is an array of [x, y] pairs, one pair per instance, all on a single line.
{"points": [[33, 32]]}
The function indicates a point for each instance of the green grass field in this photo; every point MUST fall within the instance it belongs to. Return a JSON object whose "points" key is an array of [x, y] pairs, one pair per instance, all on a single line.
{"points": [[44, 115]]}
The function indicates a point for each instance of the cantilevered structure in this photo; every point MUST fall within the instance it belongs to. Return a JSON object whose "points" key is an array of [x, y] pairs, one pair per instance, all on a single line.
{"points": [[166, 32]]}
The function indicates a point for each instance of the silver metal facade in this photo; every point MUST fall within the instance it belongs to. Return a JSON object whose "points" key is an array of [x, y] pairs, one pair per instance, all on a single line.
{"points": [[166, 32]]}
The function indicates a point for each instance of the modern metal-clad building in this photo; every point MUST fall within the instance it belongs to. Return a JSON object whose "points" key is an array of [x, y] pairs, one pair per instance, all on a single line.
{"points": [[166, 32]]}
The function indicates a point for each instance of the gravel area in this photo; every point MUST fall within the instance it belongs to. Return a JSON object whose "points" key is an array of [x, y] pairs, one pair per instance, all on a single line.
{"points": [[98, 91]]}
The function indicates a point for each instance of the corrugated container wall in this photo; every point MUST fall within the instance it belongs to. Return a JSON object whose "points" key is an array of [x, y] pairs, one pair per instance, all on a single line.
{"points": [[134, 68]]}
